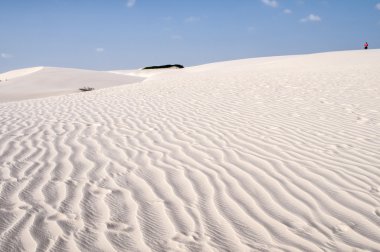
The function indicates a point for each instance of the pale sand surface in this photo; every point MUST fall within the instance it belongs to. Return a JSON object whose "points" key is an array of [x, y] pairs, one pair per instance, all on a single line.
{"points": [[39, 82], [18, 73], [270, 154]]}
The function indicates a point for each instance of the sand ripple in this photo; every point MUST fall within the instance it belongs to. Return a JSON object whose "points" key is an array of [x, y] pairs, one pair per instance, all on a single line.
{"points": [[263, 156]]}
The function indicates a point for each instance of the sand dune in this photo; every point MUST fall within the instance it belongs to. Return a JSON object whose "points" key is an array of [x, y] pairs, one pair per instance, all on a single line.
{"points": [[42, 82], [19, 73], [146, 73], [270, 154]]}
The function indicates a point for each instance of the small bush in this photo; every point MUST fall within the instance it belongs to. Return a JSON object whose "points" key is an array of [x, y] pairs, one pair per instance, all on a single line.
{"points": [[85, 89], [164, 66]]}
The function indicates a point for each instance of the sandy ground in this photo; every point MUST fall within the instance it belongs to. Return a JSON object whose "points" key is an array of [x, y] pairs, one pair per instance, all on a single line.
{"points": [[268, 154], [39, 82]]}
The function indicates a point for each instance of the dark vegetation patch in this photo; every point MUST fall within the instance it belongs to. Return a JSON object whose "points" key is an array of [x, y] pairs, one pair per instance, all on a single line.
{"points": [[85, 89], [163, 66]]}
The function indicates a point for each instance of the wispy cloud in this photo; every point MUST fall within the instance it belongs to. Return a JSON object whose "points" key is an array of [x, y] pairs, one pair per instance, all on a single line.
{"points": [[176, 37], [377, 6], [6, 55], [288, 11], [167, 18], [99, 50], [192, 19], [131, 3], [270, 3], [311, 18], [251, 28]]}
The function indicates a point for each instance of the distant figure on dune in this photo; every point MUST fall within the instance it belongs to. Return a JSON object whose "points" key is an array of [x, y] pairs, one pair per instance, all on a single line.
{"points": [[366, 45]]}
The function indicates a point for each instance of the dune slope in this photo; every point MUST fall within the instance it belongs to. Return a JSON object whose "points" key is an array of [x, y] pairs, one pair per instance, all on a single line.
{"points": [[271, 154], [42, 82]]}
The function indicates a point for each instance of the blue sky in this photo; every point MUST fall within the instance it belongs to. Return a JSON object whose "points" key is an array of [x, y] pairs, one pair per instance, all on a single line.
{"points": [[126, 34]]}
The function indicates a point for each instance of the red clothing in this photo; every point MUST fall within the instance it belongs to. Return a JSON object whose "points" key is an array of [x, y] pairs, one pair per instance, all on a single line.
{"points": [[366, 45]]}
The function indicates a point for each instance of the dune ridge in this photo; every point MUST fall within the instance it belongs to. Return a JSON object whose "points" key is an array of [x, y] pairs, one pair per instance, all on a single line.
{"points": [[40, 82], [18, 73], [275, 154]]}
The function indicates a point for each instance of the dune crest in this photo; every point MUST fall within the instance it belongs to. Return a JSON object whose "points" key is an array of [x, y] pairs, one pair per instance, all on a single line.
{"points": [[52, 81], [18, 73]]}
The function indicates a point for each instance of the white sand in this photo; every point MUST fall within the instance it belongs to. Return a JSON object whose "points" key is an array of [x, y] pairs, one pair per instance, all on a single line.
{"points": [[147, 73], [38, 82], [19, 73], [270, 154]]}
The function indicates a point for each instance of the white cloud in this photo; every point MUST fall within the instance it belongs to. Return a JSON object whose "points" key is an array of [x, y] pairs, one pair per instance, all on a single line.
{"points": [[6, 55], [131, 3], [311, 18], [192, 19], [99, 50], [288, 11], [271, 3], [377, 6]]}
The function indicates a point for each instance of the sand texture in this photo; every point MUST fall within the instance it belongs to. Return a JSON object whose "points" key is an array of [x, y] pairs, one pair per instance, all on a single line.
{"points": [[268, 154], [39, 82]]}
